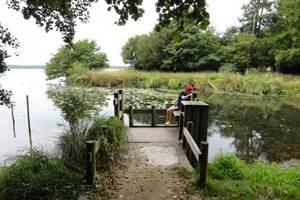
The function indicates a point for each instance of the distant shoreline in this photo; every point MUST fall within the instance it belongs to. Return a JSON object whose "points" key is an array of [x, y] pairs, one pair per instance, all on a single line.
{"points": [[43, 67]]}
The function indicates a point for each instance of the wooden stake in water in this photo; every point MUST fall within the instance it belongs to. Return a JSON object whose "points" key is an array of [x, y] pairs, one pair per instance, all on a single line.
{"points": [[28, 119], [13, 120]]}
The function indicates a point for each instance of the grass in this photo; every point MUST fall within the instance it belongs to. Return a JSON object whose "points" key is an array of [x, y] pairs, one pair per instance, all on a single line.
{"points": [[252, 82], [231, 178]]}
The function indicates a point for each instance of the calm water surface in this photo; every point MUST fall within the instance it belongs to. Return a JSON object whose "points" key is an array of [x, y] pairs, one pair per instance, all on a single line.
{"points": [[267, 129]]}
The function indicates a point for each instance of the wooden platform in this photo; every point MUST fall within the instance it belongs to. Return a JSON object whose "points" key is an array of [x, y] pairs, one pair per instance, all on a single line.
{"points": [[153, 135]]}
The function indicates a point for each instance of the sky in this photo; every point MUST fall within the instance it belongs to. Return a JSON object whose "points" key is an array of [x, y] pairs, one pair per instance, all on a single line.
{"points": [[37, 46]]}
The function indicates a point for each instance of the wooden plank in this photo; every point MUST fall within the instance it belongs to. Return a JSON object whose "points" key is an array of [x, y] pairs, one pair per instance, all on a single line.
{"points": [[195, 149]]}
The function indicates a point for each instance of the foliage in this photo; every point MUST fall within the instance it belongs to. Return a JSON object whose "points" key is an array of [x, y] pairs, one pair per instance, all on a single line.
{"points": [[240, 51], [258, 180], [197, 50], [257, 14], [110, 132], [252, 82], [84, 53], [37, 176], [147, 51], [286, 38], [268, 38], [75, 104], [80, 109]]}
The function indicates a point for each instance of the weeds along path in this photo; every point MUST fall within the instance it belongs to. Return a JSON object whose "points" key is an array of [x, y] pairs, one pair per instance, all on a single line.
{"points": [[150, 169]]}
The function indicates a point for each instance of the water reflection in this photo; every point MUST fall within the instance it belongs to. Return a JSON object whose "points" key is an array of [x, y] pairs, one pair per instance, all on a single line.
{"points": [[261, 131]]}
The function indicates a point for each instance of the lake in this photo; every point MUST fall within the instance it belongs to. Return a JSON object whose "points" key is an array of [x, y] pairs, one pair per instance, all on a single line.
{"points": [[252, 128]]}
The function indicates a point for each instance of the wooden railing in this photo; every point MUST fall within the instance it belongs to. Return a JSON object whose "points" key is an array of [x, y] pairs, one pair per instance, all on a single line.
{"points": [[198, 156], [193, 124], [153, 111]]}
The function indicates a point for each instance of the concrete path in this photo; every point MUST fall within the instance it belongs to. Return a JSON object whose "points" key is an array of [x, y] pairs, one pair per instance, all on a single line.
{"points": [[160, 146], [149, 169]]}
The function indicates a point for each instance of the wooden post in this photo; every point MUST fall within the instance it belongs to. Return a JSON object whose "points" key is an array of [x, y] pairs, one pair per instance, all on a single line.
{"points": [[203, 159], [188, 149], [116, 104], [13, 120], [181, 128], [28, 120], [121, 104], [153, 114], [130, 116], [203, 123], [91, 162], [194, 96]]}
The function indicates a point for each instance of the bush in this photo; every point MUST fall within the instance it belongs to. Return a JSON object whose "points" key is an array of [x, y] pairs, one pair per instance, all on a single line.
{"points": [[36, 176], [110, 132], [227, 167]]}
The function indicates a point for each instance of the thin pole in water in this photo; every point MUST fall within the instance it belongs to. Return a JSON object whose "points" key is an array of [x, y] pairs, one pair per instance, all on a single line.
{"points": [[13, 120], [28, 120]]}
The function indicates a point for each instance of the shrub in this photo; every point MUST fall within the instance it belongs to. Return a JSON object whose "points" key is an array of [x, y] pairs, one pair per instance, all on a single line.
{"points": [[110, 132], [37, 176], [227, 167]]}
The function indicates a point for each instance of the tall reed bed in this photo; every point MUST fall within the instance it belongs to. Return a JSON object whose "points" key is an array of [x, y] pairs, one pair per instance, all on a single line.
{"points": [[252, 82]]}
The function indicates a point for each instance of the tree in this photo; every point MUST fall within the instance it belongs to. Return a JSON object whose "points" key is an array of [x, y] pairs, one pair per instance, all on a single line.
{"points": [[240, 51], [197, 50], [146, 52], [257, 15], [285, 34], [85, 52]]}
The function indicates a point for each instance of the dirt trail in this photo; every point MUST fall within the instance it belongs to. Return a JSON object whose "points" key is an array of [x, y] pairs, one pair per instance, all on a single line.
{"points": [[149, 172]]}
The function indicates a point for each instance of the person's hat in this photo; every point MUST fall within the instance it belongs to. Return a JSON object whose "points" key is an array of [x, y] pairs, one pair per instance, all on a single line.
{"points": [[188, 88]]}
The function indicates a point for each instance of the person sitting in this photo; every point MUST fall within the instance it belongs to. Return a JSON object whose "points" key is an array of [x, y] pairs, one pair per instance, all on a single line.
{"points": [[184, 95]]}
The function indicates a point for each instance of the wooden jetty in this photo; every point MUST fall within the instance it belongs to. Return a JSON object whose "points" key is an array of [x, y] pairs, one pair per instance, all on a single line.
{"points": [[191, 132]]}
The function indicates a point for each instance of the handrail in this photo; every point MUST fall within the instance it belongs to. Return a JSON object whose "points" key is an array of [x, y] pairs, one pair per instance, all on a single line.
{"points": [[194, 147]]}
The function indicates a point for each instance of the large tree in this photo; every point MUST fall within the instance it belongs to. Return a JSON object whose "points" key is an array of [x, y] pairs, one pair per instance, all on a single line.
{"points": [[257, 14]]}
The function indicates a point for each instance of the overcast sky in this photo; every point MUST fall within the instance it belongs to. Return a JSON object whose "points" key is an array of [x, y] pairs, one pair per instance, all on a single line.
{"points": [[36, 46]]}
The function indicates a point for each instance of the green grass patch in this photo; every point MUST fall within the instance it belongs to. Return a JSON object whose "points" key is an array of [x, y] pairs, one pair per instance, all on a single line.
{"points": [[231, 178], [252, 82], [37, 176]]}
